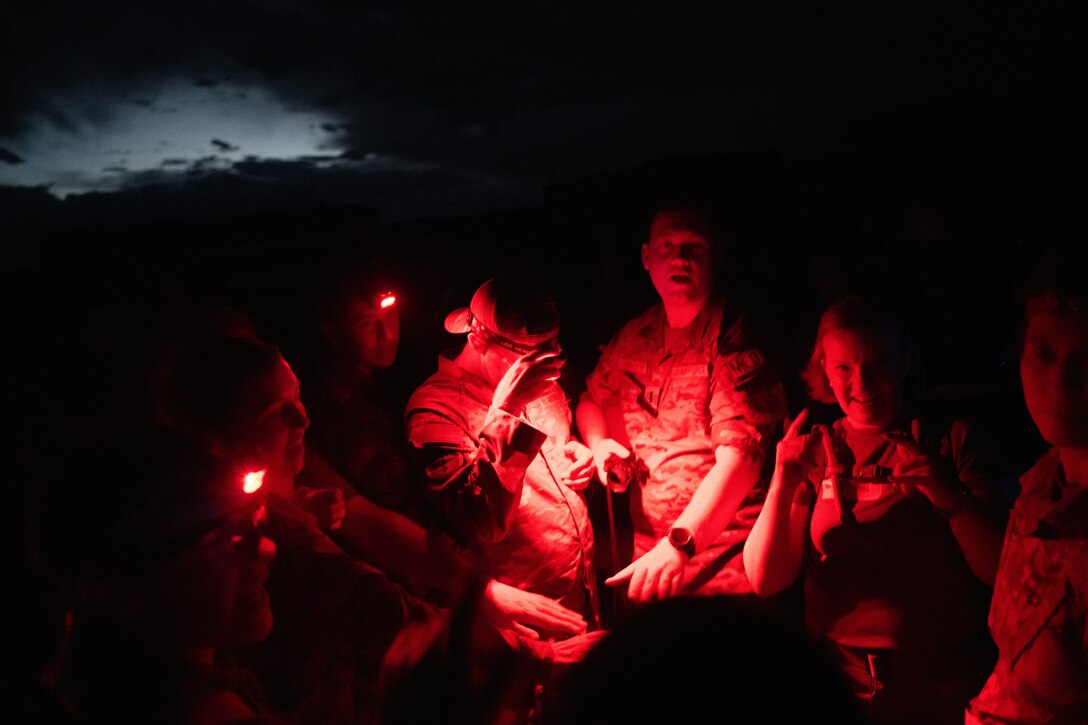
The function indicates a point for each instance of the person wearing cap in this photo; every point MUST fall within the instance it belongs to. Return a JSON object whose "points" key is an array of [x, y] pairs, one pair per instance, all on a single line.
{"points": [[491, 432], [157, 548], [684, 390]]}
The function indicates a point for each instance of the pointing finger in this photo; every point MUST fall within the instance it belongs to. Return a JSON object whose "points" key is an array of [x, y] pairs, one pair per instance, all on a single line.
{"points": [[795, 427]]}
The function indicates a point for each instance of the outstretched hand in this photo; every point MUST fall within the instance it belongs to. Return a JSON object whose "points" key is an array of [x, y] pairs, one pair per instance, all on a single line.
{"points": [[657, 574], [508, 607]]}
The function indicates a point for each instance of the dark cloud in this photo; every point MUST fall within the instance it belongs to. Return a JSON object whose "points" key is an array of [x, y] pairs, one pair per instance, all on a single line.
{"points": [[487, 62], [505, 98], [9, 158]]}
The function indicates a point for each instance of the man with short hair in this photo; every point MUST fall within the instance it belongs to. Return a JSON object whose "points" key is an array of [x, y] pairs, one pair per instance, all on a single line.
{"points": [[682, 389], [491, 432], [352, 395]]}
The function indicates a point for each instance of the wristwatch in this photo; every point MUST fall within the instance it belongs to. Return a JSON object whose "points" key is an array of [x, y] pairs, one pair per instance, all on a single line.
{"points": [[682, 541]]}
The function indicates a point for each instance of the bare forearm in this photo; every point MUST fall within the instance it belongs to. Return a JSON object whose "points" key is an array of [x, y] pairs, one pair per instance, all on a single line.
{"points": [[772, 553], [591, 422], [979, 531], [719, 495]]}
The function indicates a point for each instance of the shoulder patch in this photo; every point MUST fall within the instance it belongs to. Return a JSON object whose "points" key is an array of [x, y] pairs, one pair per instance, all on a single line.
{"points": [[744, 365]]}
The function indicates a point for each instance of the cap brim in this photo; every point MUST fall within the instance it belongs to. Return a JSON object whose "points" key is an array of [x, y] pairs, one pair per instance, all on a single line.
{"points": [[458, 322]]}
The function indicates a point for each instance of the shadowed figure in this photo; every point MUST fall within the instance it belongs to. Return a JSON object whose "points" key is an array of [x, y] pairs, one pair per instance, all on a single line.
{"points": [[705, 659], [157, 546]]}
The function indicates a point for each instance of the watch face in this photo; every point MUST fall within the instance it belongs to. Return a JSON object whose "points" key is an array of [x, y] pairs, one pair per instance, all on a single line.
{"points": [[683, 540]]}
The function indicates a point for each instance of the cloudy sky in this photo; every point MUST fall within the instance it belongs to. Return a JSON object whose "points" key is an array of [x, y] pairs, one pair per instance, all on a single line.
{"points": [[144, 110]]}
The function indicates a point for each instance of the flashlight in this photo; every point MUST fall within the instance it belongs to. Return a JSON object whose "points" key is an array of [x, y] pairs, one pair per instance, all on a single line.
{"points": [[253, 481], [386, 300]]}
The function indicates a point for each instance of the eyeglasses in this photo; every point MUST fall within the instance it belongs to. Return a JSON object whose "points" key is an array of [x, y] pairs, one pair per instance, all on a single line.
{"points": [[495, 338]]}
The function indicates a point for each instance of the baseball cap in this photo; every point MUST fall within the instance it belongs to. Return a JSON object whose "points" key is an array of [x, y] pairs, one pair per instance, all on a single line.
{"points": [[510, 311]]}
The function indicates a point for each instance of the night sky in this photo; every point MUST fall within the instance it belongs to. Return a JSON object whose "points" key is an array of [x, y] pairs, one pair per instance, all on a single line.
{"points": [[930, 151], [141, 111]]}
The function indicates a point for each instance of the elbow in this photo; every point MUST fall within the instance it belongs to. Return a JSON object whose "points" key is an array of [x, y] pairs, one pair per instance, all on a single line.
{"points": [[762, 586], [760, 576]]}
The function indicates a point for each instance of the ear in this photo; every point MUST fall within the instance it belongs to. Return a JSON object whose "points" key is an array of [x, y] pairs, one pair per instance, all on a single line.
{"points": [[479, 345], [645, 257]]}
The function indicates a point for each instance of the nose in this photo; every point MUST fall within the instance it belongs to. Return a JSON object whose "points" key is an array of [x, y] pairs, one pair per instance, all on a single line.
{"points": [[266, 549], [297, 415], [862, 378], [382, 331]]}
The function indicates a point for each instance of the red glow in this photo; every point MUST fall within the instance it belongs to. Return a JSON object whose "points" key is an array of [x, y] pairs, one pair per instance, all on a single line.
{"points": [[253, 481], [388, 300]]}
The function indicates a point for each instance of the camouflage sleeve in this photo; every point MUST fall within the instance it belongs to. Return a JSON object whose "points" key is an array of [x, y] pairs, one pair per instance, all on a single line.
{"points": [[474, 481], [747, 399]]}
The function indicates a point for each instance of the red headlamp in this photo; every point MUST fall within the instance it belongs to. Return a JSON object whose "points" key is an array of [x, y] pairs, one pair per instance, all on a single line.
{"points": [[253, 481]]}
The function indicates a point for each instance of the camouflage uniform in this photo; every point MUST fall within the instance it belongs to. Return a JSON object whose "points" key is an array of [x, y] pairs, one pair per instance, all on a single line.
{"points": [[475, 459], [1039, 615], [677, 402], [354, 434], [335, 617]]}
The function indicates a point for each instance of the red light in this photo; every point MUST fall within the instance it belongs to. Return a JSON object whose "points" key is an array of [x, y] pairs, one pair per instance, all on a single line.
{"points": [[253, 481], [387, 300]]}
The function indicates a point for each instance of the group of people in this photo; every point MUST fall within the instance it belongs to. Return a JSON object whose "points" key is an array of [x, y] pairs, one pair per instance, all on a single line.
{"points": [[225, 560]]}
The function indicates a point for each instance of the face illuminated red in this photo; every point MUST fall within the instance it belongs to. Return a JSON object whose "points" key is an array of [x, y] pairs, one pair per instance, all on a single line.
{"points": [[1054, 373], [370, 333], [679, 259], [866, 371], [271, 425]]}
